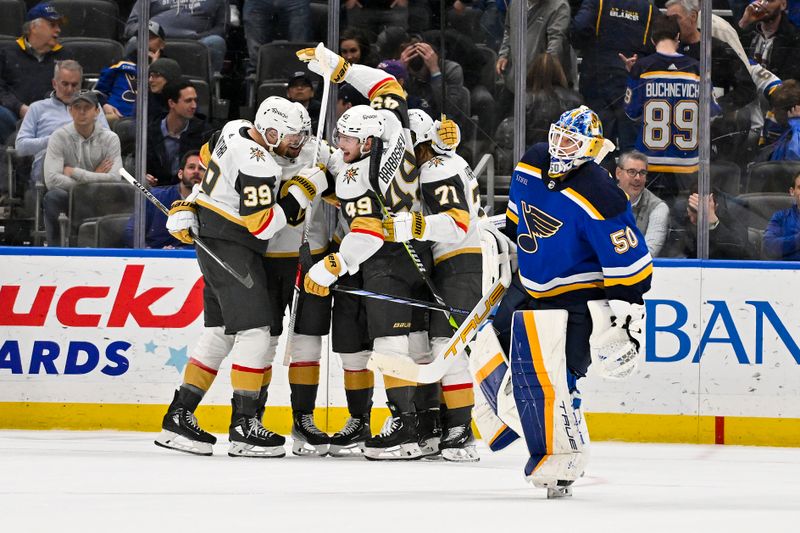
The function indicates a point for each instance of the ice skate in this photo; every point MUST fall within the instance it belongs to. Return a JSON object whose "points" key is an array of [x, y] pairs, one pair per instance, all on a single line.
{"points": [[180, 430], [458, 445], [397, 439], [563, 489], [429, 431], [248, 438], [349, 441], [309, 440]]}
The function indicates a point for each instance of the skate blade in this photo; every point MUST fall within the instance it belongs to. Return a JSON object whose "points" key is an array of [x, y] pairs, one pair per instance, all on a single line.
{"points": [[304, 449], [351, 450], [173, 441], [467, 454], [402, 452], [429, 449], [554, 493], [240, 449]]}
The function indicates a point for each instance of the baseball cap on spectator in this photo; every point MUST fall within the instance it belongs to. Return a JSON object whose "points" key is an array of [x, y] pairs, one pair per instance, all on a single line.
{"points": [[45, 10], [395, 68], [169, 68], [85, 96], [156, 29], [300, 78], [350, 95]]}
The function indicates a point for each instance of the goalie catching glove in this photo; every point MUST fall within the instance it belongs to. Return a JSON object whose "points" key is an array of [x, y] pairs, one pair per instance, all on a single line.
{"points": [[324, 274], [617, 337], [182, 221], [324, 62], [402, 227]]}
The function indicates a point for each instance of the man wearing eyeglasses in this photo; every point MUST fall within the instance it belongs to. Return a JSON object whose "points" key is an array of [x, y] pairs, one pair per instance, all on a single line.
{"points": [[650, 211], [46, 116]]}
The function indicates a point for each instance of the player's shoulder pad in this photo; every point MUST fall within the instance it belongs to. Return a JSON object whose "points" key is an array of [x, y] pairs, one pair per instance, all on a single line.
{"points": [[441, 167], [353, 180], [597, 188], [535, 161]]}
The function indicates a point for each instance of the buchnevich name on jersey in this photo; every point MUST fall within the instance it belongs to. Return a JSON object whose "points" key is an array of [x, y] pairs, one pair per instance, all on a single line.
{"points": [[672, 89]]}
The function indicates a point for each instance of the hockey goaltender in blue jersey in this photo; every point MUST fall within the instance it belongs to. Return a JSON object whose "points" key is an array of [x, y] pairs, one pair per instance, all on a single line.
{"points": [[576, 237]]}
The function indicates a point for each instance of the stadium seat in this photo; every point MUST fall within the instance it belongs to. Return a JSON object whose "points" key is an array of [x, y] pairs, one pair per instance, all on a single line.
{"points": [[104, 232], [725, 176], [89, 18], [270, 88], [755, 210], [276, 62], [13, 16], [195, 62], [771, 176], [93, 54], [319, 21], [90, 201]]}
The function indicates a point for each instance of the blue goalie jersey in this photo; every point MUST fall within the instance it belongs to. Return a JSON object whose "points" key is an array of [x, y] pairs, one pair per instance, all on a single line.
{"points": [[663, 92], [576, 237]]}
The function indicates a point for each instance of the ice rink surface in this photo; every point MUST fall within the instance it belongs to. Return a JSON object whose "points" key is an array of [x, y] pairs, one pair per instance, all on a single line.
{"points": [[58, 481]]}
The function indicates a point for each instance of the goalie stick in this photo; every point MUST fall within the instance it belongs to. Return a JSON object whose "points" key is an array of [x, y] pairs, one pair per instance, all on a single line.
{"points": [[405, 368], [247, 281]]}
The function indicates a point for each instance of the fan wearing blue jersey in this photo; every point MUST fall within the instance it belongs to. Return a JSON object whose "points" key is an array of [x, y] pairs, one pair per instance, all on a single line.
{"points": [[663, 94], [577, 297]]}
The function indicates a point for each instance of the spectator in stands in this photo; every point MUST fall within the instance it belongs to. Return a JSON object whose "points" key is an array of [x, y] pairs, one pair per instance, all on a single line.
{"points": [[652, 213], [391, 42], [785, 107], [727, 236], [774, 40], [300, 89], [263, 19], [77, 152], [191, 173], [198, 20], [26, 68], [354, 46], [117, 83], [548, 26], [162, 72], [548, 96], [601, 31], [46, 116], [177, 133], [374, 15], [396, 68], [347, 97], [782, 237], [425, 81]]}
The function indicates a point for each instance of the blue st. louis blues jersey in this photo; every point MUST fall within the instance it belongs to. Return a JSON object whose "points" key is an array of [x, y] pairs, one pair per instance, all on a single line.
{"points": [[663, 91], [576, 238]]}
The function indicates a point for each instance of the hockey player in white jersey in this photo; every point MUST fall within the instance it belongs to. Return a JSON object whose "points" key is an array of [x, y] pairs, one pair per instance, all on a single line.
{"points": [[287, 125], [451, 203], [236, 210], [384, 267]]}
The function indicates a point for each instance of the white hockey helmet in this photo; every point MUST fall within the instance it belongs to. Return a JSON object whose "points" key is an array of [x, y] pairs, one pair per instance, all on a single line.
{"points": [[361, 122], [576, 137], [289, 119], [424, 128]]}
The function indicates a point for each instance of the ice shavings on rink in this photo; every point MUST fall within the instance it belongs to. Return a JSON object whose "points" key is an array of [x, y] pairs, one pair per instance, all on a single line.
{"points": [[86, 482]]}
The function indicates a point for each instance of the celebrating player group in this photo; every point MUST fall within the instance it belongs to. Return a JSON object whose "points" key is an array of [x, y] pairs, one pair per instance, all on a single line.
{"points": [[411, 234]]}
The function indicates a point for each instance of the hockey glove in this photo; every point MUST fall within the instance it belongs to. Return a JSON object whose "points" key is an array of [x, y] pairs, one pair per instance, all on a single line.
{"points": [[324, 274], [402, 227], [324, 62], [308, 183], [617, 337], [182, 221], [496, 254], [449, 133]]}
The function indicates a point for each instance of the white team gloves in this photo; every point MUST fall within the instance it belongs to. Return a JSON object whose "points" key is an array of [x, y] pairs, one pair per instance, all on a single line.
{"points": [[617, 337], [308, 183], [182, 221], [402, 227], [324, 62], [324, 274]]}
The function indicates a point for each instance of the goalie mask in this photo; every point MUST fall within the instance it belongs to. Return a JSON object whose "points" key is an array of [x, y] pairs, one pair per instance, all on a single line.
{"points": [[289, 119], [360, 122], [444, 136], [577, 137]]}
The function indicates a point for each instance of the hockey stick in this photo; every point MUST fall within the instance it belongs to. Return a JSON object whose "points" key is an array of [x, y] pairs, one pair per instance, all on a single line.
{"points": [[399, 299], [247, 281], [405, 368], [304, 259]]}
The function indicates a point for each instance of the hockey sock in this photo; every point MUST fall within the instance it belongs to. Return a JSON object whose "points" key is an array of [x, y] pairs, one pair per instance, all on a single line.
{"points": [[189, 397], [400, 393], [459, 400], [198, 376], [358, 387], [303, 382], [426, 396]]}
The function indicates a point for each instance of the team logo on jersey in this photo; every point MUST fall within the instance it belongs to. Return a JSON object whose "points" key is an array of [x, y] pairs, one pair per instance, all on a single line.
{"points": [[435, 162], [537, 224], [350, 175], [257, 154]]}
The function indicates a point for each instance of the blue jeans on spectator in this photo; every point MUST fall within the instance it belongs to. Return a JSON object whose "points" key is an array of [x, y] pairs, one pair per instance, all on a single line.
{"points": [[8, 123], [216, 46], [56, 201], [262, 17]]}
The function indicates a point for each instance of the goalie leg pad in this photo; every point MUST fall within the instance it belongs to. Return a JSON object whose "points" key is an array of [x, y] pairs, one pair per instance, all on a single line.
{"points": [[543, 399]]}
